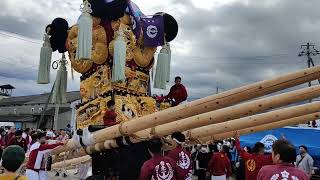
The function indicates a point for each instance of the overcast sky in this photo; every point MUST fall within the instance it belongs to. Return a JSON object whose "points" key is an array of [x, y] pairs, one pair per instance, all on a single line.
{"points": [[226, 42]]}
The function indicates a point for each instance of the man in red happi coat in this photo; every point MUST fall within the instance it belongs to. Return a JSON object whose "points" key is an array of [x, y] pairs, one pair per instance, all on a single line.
{"points": [[178, 92], [159, 167], [109, 118], [283, 155], [255, 161], [220, 166], [181, 156]]}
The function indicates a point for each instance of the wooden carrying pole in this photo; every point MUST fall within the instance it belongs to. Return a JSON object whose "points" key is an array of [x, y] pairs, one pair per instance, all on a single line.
{"points": [[255, 120], [71, 162], [288, 122], [207, 104], [212, 136], [218, 116], [216, 128]]}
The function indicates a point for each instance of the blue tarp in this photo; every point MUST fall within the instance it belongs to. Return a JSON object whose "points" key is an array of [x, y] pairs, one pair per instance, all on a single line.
{"points": [[297, 136]]}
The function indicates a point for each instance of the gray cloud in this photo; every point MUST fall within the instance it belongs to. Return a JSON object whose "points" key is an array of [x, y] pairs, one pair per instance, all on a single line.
{"points": [[230, 45]]}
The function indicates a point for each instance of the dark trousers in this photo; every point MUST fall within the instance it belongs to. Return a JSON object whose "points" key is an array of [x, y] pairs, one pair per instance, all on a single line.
{"points": [[201, 174]]}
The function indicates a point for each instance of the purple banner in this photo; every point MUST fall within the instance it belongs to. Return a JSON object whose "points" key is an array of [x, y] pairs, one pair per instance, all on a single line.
{"points": [[135, 15], [153, 31]]}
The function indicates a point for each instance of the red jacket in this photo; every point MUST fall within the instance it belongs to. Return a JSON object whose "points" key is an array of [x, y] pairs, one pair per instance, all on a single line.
{"points": [[37, 152], [183, 160], [220, 165], [178, 93], [23, 143], [253, 162], [281, 171], [109, 119], [159, 168]]}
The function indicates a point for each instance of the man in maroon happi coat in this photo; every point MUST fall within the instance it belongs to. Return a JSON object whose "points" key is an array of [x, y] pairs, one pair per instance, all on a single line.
{"points": [[178, 92], [159, 167], [255, 161], [283, 155], [109, 118], [181, 156]]}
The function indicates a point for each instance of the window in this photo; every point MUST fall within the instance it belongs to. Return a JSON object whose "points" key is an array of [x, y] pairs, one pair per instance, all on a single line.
{"points": [[14, 111], [32, 110], [40, 110]]}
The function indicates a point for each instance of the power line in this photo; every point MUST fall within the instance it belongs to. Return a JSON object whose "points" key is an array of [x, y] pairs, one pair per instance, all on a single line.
{"points": [[17, 36]]}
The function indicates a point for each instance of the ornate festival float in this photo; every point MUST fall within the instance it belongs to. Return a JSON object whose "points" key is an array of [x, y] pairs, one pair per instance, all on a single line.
{"points": [[113, 46]]}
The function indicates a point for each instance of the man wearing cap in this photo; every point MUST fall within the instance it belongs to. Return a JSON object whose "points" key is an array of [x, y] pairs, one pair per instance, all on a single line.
{"points": [[181, 156], [36, 164], [12, 158], [304, 161]]}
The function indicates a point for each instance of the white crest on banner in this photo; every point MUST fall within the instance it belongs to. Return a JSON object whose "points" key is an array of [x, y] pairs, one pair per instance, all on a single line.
{"points": [[268, 141], [152, 31]]}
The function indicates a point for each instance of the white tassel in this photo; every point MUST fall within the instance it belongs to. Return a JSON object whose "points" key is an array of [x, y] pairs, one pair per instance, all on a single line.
{"points": [[161, 76], [45, 61], [169, 63], [60, 85], [119, 58], [85, 32]]}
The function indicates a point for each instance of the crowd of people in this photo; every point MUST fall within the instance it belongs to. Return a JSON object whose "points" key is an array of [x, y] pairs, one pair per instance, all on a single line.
{"points": [[17, 144], [227, 158], [217, 161]]}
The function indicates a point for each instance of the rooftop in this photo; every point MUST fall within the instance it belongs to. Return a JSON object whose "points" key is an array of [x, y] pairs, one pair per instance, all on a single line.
{"points": [[36, 99]]}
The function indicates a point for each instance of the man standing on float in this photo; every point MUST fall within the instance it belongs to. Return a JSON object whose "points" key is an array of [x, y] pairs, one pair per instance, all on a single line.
{"points": [[178, 92]]}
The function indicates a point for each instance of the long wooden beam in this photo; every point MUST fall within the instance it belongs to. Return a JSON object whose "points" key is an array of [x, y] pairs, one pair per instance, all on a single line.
{"points": [[288, 122], [255, 120], [207, 104], [218, 116], [214, 137]]}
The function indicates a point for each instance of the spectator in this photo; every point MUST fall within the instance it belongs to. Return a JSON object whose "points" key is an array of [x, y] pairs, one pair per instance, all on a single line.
{"points": [[304, 161], [158, 167], [109, 117], [255, 161], [202, 159], [233, 153], [12, 159], [219, 166], [26, 135], [2, 140], [10, 134], [283, 155], [18, 140], [63, 136], [68, 129]]}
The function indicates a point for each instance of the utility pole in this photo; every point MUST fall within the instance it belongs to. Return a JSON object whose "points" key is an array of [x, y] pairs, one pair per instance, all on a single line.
{"points": [[309, 50]]}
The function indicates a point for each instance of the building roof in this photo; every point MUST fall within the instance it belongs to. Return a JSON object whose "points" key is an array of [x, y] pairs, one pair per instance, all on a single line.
{"points": [[23, 118], [36, 99], [7, 86]]}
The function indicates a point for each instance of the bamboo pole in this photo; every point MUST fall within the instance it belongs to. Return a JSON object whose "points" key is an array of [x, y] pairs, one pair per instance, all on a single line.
{"points": [[255, 120], [207, 104], [288, 122], [213, 137], [218, 116]]}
